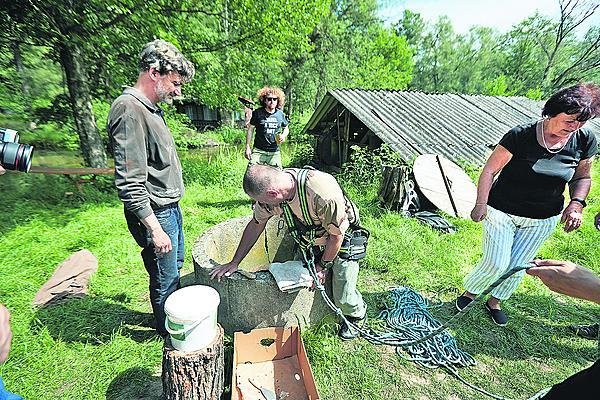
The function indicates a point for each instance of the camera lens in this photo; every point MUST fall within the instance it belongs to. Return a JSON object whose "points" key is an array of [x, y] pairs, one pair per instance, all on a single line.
{"points": [[16, 156], [9, 135]]}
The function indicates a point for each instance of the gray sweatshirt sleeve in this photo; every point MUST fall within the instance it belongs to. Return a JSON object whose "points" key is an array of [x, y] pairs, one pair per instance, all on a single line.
{"points": [[131, 169]]}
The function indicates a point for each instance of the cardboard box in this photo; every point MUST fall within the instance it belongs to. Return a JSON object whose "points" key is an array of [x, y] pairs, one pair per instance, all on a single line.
{"points": [[271, 364]]}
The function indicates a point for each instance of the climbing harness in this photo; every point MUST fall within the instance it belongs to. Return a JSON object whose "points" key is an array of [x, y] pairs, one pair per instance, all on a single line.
{"points": [[356, 238]]}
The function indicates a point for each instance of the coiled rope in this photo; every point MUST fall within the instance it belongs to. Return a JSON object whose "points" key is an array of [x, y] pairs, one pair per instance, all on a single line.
{"points": [[415, 331]]}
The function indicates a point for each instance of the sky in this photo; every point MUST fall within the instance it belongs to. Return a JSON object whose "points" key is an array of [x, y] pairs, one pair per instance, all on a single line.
{"points": [[499, 14]]}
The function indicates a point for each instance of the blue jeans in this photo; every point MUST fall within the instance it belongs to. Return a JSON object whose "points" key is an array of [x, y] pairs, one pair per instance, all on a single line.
{"points": [[163, 269], [5, 394]]}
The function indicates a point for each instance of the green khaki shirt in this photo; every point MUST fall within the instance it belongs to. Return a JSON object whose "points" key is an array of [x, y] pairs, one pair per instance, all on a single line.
{"points": [[147, 168]]}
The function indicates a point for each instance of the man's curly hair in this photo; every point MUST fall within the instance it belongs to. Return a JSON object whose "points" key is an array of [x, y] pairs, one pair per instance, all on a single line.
{"points": [[267, 91], [165, 58]]}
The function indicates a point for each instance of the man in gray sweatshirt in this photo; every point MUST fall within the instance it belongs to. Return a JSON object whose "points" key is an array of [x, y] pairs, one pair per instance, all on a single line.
{"points": [[147, 169]]}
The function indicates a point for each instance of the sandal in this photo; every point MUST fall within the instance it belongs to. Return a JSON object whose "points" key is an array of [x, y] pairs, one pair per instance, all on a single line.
{"points": [[498, 316]]}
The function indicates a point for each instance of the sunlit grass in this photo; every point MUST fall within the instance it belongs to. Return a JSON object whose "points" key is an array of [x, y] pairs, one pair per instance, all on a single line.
{"points": [[101, 347]]}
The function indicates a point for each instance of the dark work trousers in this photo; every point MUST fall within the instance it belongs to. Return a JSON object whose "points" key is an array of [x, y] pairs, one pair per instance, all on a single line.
{"points": [[163, 269], [582, 385]]}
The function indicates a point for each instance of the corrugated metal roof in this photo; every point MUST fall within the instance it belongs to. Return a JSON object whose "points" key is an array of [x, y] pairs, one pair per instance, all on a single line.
{"points": [[461, 127]]}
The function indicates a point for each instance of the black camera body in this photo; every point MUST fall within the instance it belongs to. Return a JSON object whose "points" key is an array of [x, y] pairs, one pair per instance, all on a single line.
{"points": [[14, 155]]}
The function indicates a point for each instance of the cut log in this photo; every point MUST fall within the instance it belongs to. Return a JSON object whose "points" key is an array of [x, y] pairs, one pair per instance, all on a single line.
{"points": [[391, 191], [198, 375]]}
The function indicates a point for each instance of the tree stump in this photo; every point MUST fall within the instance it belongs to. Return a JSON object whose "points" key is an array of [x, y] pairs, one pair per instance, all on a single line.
{"points": [[391, 191], [198, 375]]}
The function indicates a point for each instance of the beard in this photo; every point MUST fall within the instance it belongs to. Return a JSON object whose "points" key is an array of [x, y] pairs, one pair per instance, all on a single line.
{"points": [[162, 94]]}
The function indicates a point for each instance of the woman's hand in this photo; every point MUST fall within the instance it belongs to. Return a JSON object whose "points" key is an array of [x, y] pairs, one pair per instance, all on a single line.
{"points": [[572, 216], [479, 212]]}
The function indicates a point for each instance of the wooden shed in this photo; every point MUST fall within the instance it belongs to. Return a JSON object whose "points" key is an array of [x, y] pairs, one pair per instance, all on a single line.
{"points": [[463, 128]]}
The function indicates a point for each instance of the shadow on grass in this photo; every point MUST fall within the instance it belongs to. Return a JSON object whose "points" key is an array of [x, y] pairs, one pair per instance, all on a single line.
{"points": [[92, 320], [538, 327], [51, 198], [135, 384]]}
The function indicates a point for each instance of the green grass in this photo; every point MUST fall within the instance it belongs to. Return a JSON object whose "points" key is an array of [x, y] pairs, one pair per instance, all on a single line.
{"points": [[101, 347]]}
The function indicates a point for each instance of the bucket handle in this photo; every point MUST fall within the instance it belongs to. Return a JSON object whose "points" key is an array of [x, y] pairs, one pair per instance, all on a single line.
{"points": [[184, 330]]}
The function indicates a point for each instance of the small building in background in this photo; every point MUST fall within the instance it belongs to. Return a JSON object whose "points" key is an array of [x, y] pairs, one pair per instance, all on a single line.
{"points": [[207, 118], [463, 128]]}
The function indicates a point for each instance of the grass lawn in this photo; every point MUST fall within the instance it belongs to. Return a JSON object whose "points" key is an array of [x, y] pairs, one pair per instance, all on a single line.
{"points": [[101, 347]]}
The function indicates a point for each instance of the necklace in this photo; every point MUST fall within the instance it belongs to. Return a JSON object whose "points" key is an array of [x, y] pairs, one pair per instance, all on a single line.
{"points": [[554, 151]]}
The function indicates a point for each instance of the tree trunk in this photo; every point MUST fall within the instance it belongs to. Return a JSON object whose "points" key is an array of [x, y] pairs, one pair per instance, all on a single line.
{"points": [[198, 375], [227, 117], [81, 105], [25, 88]]}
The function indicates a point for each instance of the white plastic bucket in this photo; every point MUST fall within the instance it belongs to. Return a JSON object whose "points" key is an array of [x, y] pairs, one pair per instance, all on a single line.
{"points": [[191, 317]]}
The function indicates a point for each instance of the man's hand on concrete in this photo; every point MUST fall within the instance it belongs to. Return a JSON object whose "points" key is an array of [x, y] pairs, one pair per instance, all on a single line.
{"points": [[224, 270]]}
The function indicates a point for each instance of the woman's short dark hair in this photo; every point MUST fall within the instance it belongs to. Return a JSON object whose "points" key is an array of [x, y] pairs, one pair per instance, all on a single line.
{"points": [[582, 99]]}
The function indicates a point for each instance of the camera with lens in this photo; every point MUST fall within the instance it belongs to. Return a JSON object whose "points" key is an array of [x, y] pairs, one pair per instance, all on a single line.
{"points": [[14, 155]]}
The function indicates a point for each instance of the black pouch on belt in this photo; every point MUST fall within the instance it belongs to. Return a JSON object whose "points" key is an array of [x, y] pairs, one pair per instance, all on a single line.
{"points": [[354, 246]]}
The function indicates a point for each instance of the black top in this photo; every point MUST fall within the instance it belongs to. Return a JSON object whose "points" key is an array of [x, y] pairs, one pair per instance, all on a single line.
{"points": [[532, 183], [267, 126]]}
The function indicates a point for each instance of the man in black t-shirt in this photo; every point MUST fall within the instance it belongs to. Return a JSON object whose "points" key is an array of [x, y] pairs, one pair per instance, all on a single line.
{"points": [[271, 128]]}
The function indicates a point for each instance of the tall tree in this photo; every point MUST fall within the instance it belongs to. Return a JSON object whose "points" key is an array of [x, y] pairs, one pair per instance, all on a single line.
{"points": [[67, 28]]}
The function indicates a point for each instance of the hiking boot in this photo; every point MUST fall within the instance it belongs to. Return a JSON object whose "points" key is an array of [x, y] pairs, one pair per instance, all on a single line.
{"points": [[498, 316], [462, 301], [348, 333], [585, 331]]}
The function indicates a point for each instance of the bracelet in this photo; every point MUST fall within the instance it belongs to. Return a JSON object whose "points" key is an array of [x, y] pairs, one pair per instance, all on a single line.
{"points": [[580, 201]]}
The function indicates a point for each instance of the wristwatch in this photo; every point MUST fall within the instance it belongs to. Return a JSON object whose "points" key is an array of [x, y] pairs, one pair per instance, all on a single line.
{"points": [[326, 264], [579, 200]]}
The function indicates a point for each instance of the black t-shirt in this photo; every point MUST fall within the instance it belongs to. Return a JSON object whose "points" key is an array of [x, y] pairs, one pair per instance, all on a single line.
{"points": [[532, 183], [267, 126]]}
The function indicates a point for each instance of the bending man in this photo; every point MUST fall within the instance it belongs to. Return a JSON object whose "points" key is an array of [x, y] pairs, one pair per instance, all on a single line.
{"points": [[331, 214]]}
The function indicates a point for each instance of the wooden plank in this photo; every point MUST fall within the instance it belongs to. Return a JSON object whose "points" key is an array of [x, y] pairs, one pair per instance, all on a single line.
{"points": [[71, 171]]}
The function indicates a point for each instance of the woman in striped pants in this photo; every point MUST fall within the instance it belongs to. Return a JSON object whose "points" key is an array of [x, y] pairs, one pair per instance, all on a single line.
{"points": [[520, 209]]}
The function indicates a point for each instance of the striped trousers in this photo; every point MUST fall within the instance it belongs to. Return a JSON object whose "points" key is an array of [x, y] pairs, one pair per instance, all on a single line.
{"points": [[508, 242]]}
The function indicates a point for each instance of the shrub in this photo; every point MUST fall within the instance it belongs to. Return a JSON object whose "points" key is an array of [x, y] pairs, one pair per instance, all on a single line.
{"points": [[365, 164]]}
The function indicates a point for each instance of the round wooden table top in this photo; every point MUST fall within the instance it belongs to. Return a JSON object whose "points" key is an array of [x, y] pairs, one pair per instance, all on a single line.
{"points": [[445, 184]]}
